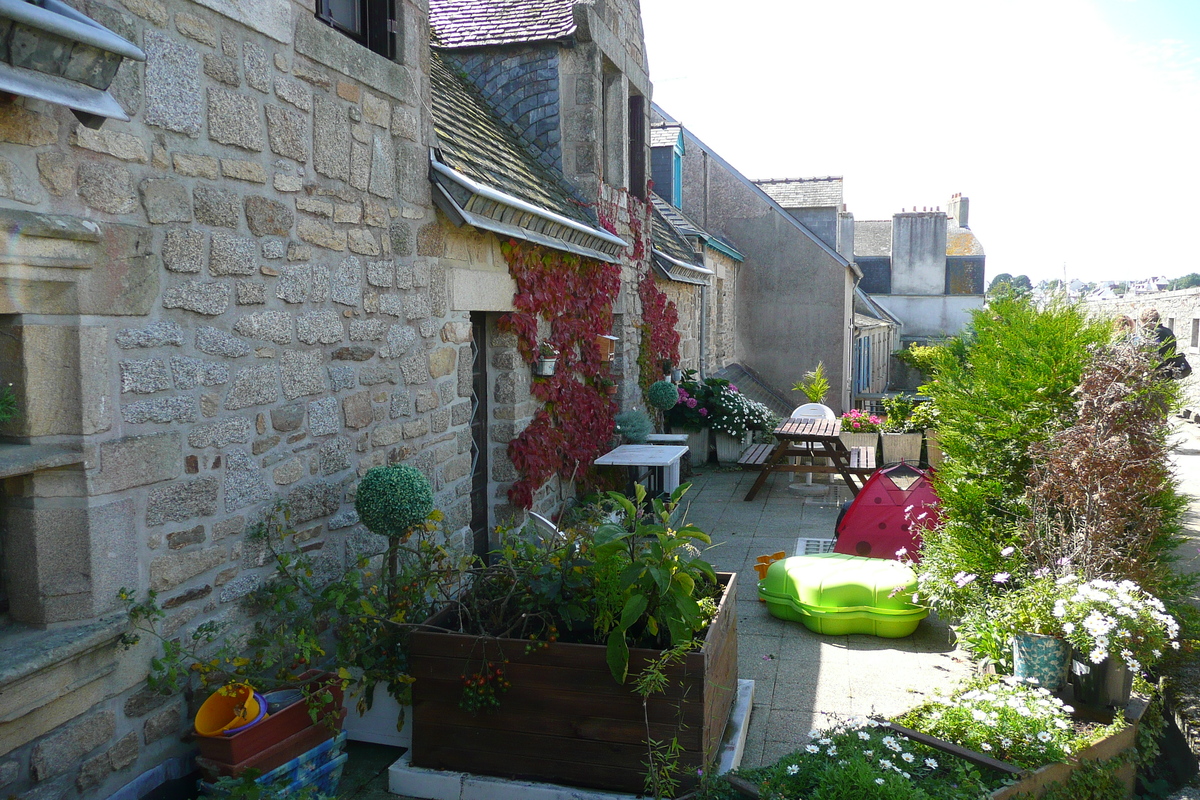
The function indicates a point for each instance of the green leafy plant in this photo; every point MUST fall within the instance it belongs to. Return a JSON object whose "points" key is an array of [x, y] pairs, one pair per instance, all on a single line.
{"points": [[861, 759], [897, 411], [695, 397], [1103, 618], [814, 385], [9, 409], [924, 415], [732, 413], [858, 421], [662, 756], [1005, 385], [1007, 720], [662, 395], [659, 580], [393, 499]]}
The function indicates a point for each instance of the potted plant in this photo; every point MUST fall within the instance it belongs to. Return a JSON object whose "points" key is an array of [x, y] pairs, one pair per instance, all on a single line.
{"points": [[814, 384], [924, 417], [534, 670], [732, 417], [690, 414], [1115, 630], [901, 438], [606, 385], [1040, 653], [860, 429], [547, 360]]}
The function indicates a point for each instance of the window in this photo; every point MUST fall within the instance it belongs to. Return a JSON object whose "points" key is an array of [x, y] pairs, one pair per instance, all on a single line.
{"points": [[1171, 323], [371, 23], [637, 146], [677, 174], [1196, 333]]}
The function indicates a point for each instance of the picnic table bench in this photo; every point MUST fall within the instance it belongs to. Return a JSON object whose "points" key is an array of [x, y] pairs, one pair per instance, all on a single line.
{"points": [[809, 438]]}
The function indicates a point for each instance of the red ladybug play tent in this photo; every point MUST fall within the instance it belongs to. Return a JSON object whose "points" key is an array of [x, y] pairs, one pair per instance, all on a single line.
{"points": [[888, 514]]}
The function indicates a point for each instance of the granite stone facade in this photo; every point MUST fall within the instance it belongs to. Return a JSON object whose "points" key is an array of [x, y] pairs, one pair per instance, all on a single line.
{"points": [[213, 305]]}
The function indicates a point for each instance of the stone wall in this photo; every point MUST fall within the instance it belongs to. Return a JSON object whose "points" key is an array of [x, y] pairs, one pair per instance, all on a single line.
{"points": [[722, 310], [793, 295], [234, 297]]}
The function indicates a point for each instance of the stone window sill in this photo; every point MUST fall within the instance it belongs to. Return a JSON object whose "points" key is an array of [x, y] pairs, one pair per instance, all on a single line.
{"points": [[26, 653], [22, 459]]}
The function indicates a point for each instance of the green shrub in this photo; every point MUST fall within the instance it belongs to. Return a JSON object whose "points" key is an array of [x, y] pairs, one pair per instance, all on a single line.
{"points": [[663, 395], [1005, 385], [634, 425], [394, 499]]}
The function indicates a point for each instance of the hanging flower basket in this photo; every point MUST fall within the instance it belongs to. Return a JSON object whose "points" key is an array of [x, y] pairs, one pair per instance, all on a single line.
{"points": [[545, 367]]}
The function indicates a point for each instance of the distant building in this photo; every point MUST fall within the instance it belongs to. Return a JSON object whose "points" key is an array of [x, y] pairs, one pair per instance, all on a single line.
{"points": [[926, 266]]}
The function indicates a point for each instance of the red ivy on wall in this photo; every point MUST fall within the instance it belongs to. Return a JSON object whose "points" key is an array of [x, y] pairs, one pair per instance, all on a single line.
{"points": [[575, 295], [660, 339]]}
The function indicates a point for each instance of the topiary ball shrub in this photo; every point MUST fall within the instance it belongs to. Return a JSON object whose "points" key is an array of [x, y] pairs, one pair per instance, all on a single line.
{"points": [[392, 500], [663, 395]]}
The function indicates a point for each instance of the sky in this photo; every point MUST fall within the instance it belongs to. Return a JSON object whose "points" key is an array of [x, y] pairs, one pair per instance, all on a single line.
{"points": [[1073, 126]]}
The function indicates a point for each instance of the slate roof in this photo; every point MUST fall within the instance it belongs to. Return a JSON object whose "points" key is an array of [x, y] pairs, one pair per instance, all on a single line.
{"points": [[668, 240], [804, 192], [475, 143], [664, 135], [961, 241], [873, 237], [478, 23], [684, 225], [753, 386]]}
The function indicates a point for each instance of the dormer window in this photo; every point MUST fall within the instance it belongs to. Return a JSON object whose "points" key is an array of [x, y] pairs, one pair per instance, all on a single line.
{"points": [[371, 23]]}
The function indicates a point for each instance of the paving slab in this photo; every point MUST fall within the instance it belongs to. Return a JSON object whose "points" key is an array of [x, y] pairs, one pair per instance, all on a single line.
{"points": [[802, 679]]}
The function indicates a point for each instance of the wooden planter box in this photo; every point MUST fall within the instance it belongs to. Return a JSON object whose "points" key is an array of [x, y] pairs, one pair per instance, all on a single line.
{"points": [[1036, 783], [565, 720], [1033, 784]]}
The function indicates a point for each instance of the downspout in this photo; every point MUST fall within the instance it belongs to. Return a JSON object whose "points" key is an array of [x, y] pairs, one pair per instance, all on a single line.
{"points": [[704, 328]]}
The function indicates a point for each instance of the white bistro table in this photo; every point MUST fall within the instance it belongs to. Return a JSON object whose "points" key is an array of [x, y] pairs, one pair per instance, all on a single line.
{"points": [[662, 460]]}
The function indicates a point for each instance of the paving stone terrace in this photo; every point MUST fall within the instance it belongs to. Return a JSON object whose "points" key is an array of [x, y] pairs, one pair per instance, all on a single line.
{"points": [[802, 679]]}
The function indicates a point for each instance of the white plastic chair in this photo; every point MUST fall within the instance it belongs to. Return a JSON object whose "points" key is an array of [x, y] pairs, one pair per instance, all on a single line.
{"points": [[813, 411], [547, 531]]}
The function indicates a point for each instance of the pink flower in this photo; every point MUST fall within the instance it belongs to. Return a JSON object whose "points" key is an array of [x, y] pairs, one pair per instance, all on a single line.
{"points": [[732, 388], [704, 412], [857, 424], [874, 420], [691, 402]]}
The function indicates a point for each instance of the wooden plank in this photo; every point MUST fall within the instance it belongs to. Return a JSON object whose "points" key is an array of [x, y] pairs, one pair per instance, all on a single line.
{"points": [[979, 759]]}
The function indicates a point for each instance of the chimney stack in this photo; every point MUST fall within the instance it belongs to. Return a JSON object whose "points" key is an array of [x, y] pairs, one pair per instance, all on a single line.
{"points": [[959, 209]]}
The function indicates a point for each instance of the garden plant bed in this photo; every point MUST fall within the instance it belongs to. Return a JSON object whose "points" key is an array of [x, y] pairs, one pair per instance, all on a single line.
{"points": [[564, 719]]}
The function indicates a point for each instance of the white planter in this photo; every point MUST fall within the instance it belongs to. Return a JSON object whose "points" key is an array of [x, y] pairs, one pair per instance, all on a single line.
{"points": [[697, 446], [933, 450], [851, 439], [378, 725], [729, 448], [899, 447]]}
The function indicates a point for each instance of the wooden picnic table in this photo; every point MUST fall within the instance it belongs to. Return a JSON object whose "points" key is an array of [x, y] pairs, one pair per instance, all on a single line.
{"points": [[814, 439]]}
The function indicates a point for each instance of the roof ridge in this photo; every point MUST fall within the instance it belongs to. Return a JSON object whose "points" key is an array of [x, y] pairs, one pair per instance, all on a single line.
{"points": [[760, 181]]}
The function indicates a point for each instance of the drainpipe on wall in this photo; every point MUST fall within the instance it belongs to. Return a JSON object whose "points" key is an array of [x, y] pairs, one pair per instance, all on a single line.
{"points": [[704, 330]]}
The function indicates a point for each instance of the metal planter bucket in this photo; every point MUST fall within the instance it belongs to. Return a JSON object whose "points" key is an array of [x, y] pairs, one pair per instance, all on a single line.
{"points": [[1041, 658]]}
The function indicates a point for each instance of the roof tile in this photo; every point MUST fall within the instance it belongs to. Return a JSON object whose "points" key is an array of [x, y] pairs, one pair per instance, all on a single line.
{"points": [[804, 192], [476, 23]]}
